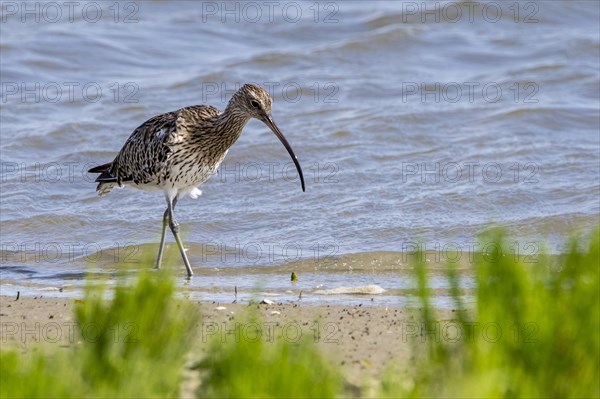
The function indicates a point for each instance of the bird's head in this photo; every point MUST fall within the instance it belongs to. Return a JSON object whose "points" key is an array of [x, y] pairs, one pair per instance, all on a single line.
{"points": [[255, 102]]}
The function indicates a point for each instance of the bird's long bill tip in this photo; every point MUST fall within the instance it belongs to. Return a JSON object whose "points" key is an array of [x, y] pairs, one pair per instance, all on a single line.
{"points": [[271, 123]]}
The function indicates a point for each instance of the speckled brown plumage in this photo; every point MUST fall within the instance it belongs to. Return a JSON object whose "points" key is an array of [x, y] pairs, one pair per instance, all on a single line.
{"points": [[177, 151]]}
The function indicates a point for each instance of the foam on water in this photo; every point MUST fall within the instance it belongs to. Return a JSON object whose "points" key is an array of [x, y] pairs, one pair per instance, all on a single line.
{"points": [[362, 290]]}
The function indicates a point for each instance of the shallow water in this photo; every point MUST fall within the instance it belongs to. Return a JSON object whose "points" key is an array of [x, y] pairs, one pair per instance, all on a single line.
{"points": [[412, 123]]}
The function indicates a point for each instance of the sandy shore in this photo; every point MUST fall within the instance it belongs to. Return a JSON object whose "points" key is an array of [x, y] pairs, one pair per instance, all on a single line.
{"points": [[362, 340]]}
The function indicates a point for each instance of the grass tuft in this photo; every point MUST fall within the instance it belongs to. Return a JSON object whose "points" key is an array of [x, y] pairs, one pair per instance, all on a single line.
{"points": [[130, 346], [266, 368], [533, 333]]}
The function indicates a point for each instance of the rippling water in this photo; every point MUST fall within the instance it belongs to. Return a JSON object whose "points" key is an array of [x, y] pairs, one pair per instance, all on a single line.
{"points": [[414, 122]]}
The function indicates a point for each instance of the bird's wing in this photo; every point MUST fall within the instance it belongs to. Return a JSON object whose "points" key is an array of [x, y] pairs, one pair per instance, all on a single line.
{"points": [[145, 153]]}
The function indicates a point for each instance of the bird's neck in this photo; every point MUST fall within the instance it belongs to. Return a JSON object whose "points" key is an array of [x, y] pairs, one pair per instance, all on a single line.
{"points": [[230, 124]]}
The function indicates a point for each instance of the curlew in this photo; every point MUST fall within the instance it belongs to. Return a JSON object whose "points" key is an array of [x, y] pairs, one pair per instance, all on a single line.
{"points": [[177, 151]]}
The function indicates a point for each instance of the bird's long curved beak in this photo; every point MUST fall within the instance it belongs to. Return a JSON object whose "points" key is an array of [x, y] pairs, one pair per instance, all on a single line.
{"points": [[271, 123]]}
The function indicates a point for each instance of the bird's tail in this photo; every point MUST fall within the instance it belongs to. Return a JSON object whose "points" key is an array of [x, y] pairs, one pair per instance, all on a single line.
{"points": [[106, 182]]}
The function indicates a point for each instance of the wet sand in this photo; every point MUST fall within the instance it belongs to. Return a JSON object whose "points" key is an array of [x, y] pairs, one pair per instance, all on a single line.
{"points": [[362, 340]]}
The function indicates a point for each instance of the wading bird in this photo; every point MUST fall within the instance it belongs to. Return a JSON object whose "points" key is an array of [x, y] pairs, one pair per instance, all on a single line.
{"points": [[177, 151]]}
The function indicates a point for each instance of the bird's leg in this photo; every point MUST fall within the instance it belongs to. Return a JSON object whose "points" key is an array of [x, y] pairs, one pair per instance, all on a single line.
{"points": [[175, 229], [162, 239], [163, 235]]}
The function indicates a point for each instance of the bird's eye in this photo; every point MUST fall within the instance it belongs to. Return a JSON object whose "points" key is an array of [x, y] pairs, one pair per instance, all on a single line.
{"points": [[255, 104]]}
